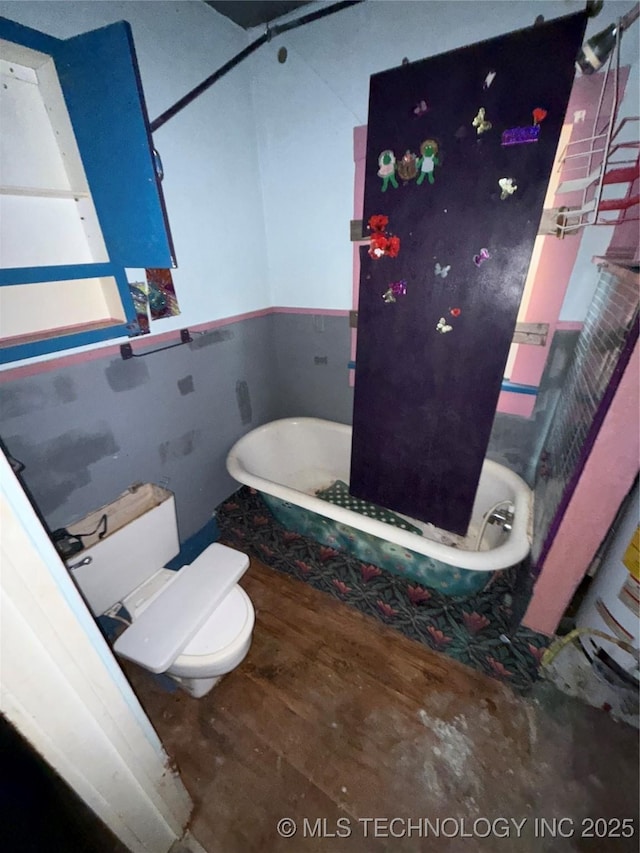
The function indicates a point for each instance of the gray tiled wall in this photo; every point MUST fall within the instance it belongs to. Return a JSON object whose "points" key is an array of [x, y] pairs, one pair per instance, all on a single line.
{"points": [[86, 432], [312, 354]]}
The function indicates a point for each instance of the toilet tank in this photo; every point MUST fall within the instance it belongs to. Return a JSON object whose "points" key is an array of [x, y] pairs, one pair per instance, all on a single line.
{"points": [[141, 537]]}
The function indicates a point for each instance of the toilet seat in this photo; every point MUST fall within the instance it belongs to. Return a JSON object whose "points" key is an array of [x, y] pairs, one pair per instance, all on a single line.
{"points": [[222, 628], [181, 607], [222, 642]]}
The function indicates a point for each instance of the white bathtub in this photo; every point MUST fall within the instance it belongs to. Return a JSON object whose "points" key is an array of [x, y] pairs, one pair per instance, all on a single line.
{"points": [[289, 460]]}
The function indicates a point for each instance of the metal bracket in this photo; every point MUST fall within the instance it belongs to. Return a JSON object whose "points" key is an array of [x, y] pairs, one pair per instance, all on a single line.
{"points": [[531, 333], [355, 231], [126, 350]]}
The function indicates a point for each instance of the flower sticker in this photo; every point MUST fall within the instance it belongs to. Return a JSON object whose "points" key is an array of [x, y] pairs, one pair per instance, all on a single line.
{"points": [[507, 186], [381, 243], [378, 222], [539, 115], [378, 245], [393, 247], [442, 326]]}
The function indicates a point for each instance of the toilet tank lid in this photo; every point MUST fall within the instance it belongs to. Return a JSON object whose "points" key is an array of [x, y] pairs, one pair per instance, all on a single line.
{"points": [[164, 628]]}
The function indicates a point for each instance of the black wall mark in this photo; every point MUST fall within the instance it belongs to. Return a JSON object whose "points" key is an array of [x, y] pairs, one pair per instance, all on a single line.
{"points": [[244, 401], [183, 445], [214, 337], [185, 386], [127, 375]]}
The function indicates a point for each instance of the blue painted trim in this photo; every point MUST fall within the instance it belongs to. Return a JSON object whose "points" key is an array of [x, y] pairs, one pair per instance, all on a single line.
{"points": [[80, 338], [516, 388], [47, 345], [99, 76], [195, 545], [34, 275], [512, 387], [19, 34]]}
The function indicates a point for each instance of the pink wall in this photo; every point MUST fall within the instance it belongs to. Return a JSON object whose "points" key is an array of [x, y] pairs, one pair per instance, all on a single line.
{"points": [[555, 266], [359, 157], [625, 242], [558, 256], [606, 479]]}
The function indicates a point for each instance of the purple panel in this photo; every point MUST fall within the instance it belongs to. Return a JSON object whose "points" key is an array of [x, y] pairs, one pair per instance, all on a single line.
{"points": [[425, 399]]}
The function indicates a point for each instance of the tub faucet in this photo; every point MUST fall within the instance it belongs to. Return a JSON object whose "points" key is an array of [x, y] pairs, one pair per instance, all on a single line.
{"points": [[503, 516]]}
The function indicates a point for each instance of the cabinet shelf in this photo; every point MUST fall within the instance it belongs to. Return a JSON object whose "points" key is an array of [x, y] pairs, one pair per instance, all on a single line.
{"points": [[44, 192], [44, 309], [80, 328]]}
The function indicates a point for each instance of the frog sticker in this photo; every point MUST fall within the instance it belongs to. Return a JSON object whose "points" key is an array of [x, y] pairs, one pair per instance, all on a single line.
{"points": [[428, 161], [386, 169]]}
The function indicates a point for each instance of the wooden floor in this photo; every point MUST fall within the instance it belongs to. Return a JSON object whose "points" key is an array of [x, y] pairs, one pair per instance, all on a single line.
{"points": [[335, 716]]}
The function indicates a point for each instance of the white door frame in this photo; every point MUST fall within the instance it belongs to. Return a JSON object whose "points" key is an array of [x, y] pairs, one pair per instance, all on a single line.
{"points": [[61, 687]]}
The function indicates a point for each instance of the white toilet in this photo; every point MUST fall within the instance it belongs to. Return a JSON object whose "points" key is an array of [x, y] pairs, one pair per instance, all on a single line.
{"points": [[195, 624]]}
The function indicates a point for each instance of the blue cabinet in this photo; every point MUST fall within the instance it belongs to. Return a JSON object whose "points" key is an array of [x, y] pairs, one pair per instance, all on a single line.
{"points": [[80, 199]]}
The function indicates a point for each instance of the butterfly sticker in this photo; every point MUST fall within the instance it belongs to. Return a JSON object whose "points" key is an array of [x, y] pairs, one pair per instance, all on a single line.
{"points": [[507, 186], [443, 272], [482, 256], [488, 80], [479, 122], [443, 327], [420, 108], [396, 288]]}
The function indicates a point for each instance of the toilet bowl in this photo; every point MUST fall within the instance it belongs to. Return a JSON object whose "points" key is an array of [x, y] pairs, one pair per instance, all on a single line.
{"points": [[219, 646], [194, 624]]}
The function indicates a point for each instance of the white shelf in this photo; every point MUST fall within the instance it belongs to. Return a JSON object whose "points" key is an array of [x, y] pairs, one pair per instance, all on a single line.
{"points": [[45, 309], [47, 216], [43, 192]]}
